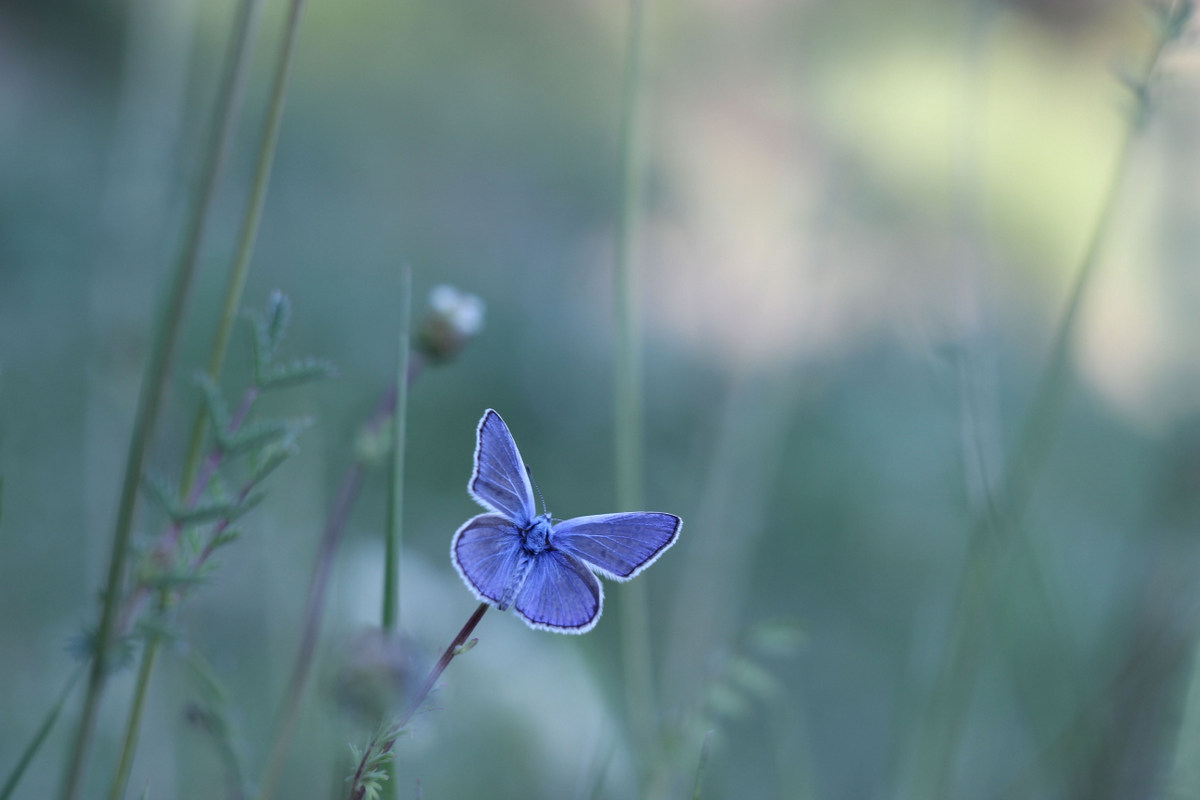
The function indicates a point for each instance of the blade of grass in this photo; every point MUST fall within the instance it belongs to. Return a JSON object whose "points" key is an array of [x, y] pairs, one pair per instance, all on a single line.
{"points": [[39, 737], [133, 725], [635, 619], [395, 506], [167, 328]]}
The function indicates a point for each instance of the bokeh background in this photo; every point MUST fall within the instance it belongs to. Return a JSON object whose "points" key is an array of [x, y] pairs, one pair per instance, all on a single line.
{"points": [[861, 223]]}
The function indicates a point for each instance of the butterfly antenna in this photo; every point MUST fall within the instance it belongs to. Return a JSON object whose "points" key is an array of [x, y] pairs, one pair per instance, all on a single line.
{"points": [[536, 488]]}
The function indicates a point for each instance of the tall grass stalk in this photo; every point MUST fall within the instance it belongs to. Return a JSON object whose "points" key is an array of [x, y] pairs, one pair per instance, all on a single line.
{"points": [[390, 620], [998, 524], [249, 233], [229, 314], [635, 619], [170, 321], [395, 507]]}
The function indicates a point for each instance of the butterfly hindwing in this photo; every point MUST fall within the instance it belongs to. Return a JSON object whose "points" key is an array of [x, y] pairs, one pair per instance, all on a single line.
{"points": [[499, 481], [619, 546], [559, 594], [487, 552]]}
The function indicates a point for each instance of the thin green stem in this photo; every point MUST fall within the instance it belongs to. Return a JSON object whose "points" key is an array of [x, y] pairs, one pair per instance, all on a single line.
{"points": [[702, 765], [136, 708], [395, 506], [635, 618], [170, 321], [997, 526], [40, 736], [249, 234]]}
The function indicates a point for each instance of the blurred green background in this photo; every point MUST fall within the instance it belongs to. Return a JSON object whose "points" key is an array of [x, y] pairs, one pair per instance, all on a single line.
{"points": [[861, 223]]}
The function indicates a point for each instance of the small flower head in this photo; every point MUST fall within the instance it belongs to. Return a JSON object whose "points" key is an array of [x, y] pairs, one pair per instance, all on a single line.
{"points": [[378, 674], [454, 317]]}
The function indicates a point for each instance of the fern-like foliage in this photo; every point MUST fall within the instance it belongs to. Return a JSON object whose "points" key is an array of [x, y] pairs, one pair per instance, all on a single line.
{"points": [[367, 781]]}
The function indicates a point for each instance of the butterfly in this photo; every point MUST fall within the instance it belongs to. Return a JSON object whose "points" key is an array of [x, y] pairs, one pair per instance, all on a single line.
{"points": [[546, 572]]}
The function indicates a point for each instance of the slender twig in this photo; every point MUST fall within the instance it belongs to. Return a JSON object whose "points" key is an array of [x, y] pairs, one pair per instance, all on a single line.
{"points": [[444, 661], [390, 733], [154, 382], [635, 618], [318, 588]]}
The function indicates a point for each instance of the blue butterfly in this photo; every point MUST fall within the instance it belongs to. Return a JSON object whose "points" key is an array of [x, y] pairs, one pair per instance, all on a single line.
{"points": [[512, 556]]}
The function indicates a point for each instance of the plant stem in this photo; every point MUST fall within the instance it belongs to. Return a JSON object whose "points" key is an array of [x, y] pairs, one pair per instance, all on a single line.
{"points": [[121, 779], [635, 622], [700, 767], [154, 382], [395, 506], [165, 551], [318, 588], [250, 225], [447, 656], [394, 538], [390, 734], [40, 736]]}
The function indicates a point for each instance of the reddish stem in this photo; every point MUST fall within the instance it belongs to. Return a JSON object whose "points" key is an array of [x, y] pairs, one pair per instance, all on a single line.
{"points": [[442, 663]]}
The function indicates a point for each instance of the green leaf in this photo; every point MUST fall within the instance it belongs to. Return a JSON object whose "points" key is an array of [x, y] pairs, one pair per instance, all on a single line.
{"points": [[169, 580], [248, 502], [266, 460], [261, 433], [295, 372], [163, 492], [260, 343], [205, 512], [214, 404], [279, 315], [227, 536]]}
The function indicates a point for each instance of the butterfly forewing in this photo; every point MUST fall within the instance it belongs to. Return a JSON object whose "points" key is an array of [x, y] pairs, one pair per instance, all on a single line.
{"points": [[560, 594], [499, 481], [618, 545], [486, 551]]}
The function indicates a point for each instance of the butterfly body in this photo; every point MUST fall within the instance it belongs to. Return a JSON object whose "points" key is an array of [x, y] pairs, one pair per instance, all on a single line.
{"points": [[514, 557]]}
